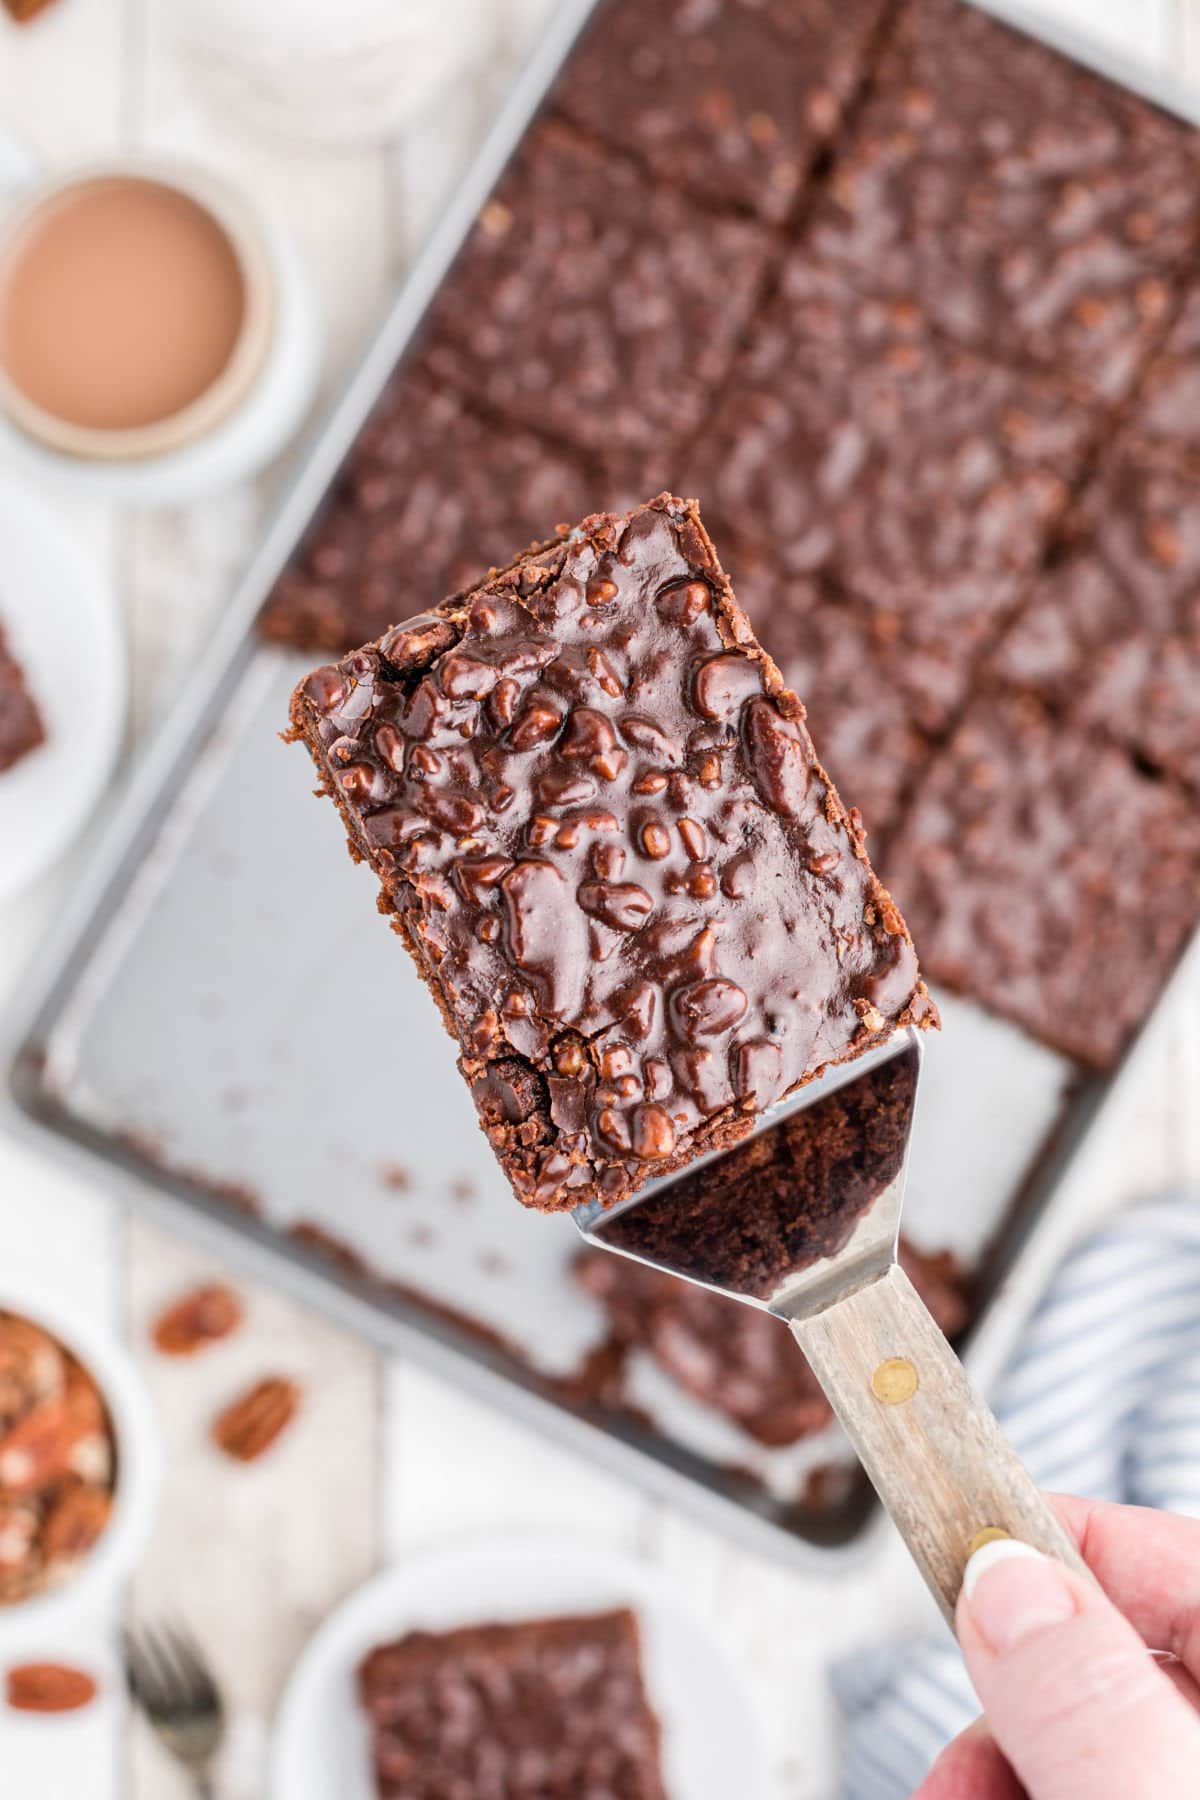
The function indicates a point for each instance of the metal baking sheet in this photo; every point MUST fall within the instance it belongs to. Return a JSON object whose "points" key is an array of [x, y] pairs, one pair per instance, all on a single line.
{"points": [[296, 1067], [221, 1031]]}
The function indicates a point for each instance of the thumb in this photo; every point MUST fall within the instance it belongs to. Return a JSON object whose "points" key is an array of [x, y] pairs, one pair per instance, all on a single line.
{"points": [[1072, 1696]]}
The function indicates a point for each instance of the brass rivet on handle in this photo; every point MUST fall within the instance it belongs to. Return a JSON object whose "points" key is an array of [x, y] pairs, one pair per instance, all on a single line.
{"points": [[990, 1534], [895, 1381]]}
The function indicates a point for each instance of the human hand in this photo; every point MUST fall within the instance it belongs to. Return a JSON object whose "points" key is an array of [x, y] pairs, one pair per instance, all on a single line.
{"points": [[1075, 1707]]}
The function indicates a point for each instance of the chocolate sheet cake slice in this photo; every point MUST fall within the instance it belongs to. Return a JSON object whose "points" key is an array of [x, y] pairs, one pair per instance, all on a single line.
{"points": [[594, 305], [731, 99], [601, 827], [430, 498], [1035, 209], [1110, 633], [865, 448], [514, 1712], [21, 728]]}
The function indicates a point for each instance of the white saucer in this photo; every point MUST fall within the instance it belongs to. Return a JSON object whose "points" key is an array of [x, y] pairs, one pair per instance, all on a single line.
{"points": [[62, 625], [712, 1742]]}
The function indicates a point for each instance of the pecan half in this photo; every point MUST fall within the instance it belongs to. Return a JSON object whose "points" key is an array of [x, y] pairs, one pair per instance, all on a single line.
{"points": [[196, 1319], [24, 10], [49, 1688], [250, 1425]]}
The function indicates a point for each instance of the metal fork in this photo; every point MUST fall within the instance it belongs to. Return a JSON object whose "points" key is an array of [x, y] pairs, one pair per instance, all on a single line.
{"points": [[169, 1679]]}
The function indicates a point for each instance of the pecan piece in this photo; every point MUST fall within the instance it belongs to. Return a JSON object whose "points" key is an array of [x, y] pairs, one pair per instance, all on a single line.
{"points": [[83, 1404], [250, 1425], [49, 1688], [66, 1436], [197, 1318], [32, 1365], [34, 1452], [74, 1522], [19, 1523]]}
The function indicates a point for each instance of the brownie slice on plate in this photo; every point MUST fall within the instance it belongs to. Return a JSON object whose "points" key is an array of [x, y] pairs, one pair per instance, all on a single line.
{"points": [[513, 1712]]}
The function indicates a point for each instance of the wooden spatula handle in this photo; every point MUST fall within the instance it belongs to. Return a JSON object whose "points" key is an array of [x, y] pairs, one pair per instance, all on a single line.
{"points": [[933, 1450]]}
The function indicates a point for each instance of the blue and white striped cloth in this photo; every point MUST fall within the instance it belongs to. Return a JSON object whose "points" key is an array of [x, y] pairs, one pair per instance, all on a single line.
{"points": [[1103, 1399]]}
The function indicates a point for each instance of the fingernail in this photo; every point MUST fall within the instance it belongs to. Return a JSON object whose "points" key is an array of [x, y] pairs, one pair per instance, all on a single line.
{"points": [[1013, 1592]]}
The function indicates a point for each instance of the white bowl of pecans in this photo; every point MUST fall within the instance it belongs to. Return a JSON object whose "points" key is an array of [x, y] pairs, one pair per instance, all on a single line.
{"points": [[79, 1465]]}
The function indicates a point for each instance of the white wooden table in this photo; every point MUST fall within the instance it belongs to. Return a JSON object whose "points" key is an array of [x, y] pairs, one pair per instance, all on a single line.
{"points": [[385, 1459]]}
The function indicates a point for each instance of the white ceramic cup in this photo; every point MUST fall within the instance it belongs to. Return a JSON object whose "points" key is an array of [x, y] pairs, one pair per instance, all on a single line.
{"points": [[243, 418], [138, 1472]]}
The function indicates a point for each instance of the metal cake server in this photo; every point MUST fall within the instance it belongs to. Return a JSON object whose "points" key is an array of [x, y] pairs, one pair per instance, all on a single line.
{"points": [[804, 1222]]}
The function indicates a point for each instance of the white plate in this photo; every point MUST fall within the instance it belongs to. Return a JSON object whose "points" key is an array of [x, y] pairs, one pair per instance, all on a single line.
{"points": [[62, 625], [712, 1741]]}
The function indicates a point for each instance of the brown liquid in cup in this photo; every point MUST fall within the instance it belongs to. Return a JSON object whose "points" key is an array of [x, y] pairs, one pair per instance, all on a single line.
{"points": [[121, 302]]}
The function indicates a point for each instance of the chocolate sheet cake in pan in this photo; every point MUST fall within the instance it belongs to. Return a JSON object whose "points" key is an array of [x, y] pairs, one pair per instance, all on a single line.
{"points": [[934, 408], [907, 299]]}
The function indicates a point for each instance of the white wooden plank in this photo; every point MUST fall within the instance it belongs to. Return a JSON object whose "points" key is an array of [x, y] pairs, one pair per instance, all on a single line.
{"points": [[79, 1754], [456, 1464], [1182, 1078], [1185, 41], [61, 99], [251, 1556], [180, 566], [523, 18], [59, 1235], [281, 1542], [60, 95], [428, 160], [42, 1210], [1138, 29], [59, 1239], [60, 79], [182, 563], [331, 201], [783, 1627]]}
